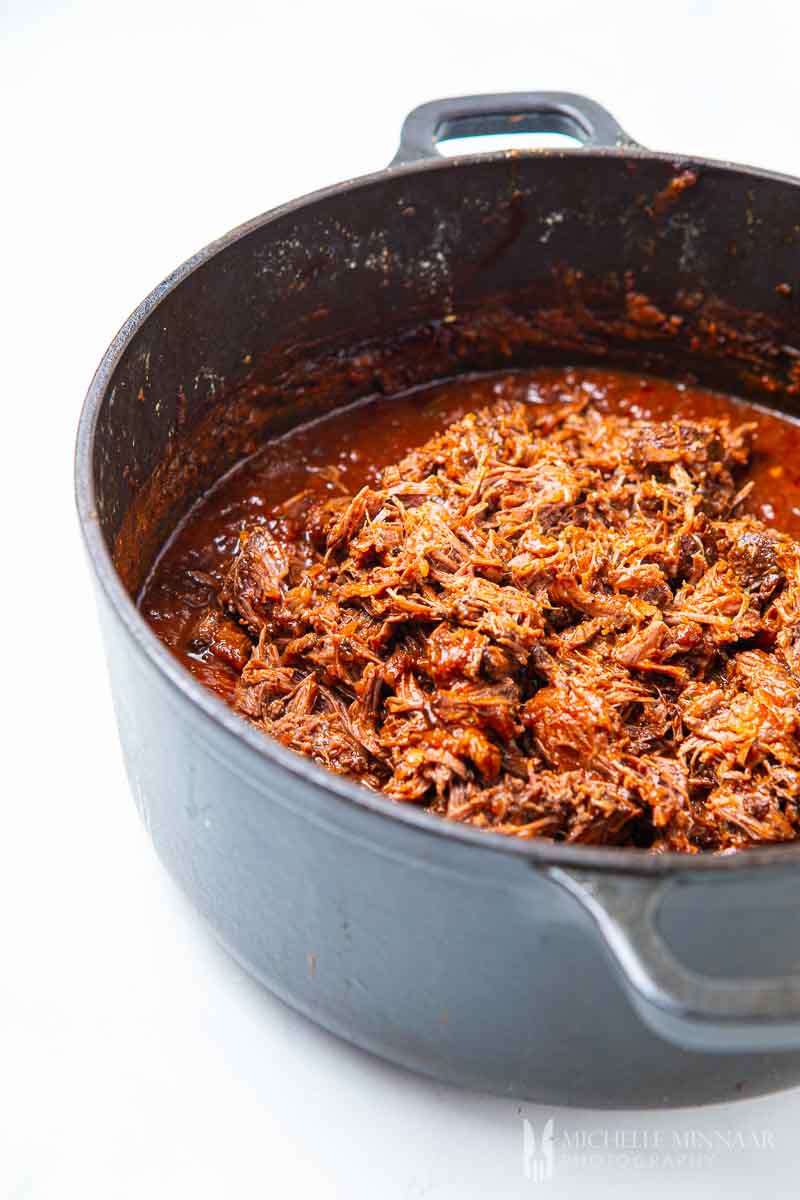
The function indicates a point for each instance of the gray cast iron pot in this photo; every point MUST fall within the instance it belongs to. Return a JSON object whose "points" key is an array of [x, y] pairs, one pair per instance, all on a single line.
{"points": [[578, 975]]}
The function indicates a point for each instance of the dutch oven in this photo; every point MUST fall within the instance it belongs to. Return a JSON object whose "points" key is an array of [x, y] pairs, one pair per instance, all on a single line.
{"points": [[572, 974]]}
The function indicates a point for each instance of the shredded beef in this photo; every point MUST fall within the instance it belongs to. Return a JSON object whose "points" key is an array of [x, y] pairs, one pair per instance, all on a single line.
{"points": [[549, 622]]}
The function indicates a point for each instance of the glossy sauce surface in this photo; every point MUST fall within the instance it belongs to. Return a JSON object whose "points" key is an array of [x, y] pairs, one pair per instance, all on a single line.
{"points": [[351, 447]]}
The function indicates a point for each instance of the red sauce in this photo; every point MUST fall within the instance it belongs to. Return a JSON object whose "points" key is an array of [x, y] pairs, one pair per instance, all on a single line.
{"points": [[360, 441]]}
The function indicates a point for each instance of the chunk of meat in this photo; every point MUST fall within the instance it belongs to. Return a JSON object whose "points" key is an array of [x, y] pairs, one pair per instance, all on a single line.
{"points": [[454, 653], [223, 638], [754, 558], [256, 579]]}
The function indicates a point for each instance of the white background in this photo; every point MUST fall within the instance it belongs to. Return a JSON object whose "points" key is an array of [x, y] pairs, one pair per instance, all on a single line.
{"points": [[136, 1060]]}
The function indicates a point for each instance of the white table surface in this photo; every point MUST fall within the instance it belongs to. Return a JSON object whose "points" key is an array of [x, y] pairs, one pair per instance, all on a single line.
{"points": [[136, 1060]]}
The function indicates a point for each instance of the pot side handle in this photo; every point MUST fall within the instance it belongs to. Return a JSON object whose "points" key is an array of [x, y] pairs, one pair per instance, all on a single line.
{"points": [[510, 112], [693, 1011]]}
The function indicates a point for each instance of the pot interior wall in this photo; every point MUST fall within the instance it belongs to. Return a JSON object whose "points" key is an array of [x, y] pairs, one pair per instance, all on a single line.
{"points": [[412, 275]]}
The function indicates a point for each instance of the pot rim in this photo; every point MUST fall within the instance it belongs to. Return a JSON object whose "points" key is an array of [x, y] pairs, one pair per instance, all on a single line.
{"points": [[539, 852]]}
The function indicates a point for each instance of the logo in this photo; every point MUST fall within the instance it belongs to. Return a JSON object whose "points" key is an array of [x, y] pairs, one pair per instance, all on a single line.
{"points": [[538, 1160], [650, 1146]]}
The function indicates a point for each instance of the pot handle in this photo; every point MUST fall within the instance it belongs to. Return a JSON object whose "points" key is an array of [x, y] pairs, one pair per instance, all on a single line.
{"points": [[687, 1008], [509, 112]]}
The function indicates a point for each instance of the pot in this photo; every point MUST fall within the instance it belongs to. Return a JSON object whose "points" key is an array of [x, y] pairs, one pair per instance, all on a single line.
{"points": [[560, 973]]}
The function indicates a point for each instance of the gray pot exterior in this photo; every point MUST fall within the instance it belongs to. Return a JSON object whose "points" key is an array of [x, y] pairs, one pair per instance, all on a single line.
{"points": [[458, 956]]}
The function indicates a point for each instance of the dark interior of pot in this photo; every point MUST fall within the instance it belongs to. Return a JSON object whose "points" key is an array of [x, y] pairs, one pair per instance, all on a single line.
{"points": [[644, 262]]}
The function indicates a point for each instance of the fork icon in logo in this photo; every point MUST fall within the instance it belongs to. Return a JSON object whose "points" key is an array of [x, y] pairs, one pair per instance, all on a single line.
{"points": [[538, 1163]]}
